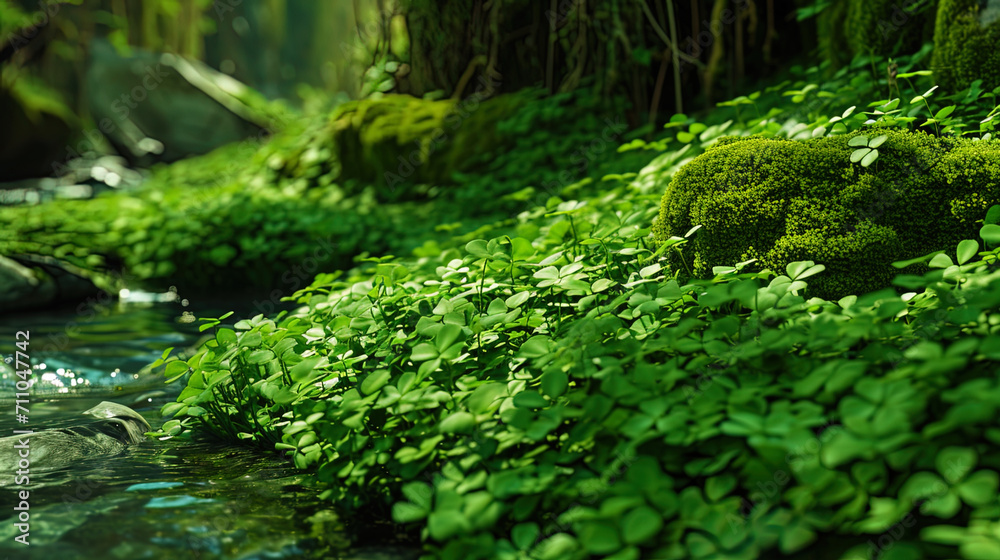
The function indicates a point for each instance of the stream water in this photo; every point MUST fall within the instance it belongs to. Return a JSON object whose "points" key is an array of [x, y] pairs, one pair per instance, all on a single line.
{"points": [[160, 499]]}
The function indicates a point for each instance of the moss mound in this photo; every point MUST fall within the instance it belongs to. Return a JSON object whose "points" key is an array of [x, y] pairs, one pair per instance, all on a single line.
{"points": [[520, 139], [781, 201], [407, 147], [402, 139], [965, 45]]}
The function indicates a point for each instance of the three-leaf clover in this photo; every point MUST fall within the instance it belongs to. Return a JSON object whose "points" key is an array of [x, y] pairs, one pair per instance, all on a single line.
{"points": [[568, 277], [943, 494], [867, 151]]}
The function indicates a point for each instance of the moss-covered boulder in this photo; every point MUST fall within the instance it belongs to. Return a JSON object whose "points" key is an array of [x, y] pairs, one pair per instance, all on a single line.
{"points": [[401, 139], [520, 139], [966, 37], [887, 27], [781, 201]]}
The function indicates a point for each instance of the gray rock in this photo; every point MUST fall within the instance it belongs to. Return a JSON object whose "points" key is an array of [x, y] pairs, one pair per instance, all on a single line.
{"points": [[113, 428], [19, 283], [38, 282], [988, 12]]}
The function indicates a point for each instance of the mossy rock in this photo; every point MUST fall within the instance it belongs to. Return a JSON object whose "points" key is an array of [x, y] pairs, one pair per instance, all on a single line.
{"points": [[402, 139], [414, 149], [966, 36], [781, 201], [888, 27]]}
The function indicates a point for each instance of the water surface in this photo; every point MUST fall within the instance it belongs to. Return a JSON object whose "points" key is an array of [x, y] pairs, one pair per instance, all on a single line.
{"points": [[160, 499]]}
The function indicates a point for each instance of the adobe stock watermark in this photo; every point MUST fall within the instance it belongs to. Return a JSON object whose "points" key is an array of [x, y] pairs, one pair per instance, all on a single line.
{"points": [[236, 165], [900, 17], [85, 311], [223, 7], [878, 546], [122, 106], [588, 496], [225, 525], [882, 201], [17, 39], [726, 361], [365, 33], [562, 11], [152, 78]]}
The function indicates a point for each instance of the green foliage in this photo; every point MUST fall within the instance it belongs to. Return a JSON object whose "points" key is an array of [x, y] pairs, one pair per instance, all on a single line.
{"points": [[35, 97], [242, 217], [490, 147], [814, 9], [249, 214], [781, 201], [12, 18], [867, 148], [557, 394], [206, 238], [965, 49], [553, 387], [396, 139], [817, 111], [562, 385], [803, 107], [560, 139]]}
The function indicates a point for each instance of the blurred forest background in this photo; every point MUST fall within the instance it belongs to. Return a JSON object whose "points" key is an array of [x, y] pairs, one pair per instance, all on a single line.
{"points": [[70, 67]]}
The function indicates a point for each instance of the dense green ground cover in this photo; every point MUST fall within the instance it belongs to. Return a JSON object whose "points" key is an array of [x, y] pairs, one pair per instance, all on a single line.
{"points": [[557, 394], [567, 385], [246, 214]]}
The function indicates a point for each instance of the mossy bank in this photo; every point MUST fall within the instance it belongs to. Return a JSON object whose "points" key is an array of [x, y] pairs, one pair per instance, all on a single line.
{"points": [[375, 176]]}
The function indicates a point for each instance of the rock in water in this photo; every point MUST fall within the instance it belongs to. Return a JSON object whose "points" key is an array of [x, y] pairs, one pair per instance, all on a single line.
{"points": [[35, 282], [113, 428]]}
